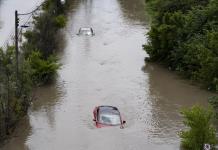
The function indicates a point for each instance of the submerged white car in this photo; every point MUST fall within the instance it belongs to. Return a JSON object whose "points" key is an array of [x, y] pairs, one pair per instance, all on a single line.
{"points": [[87, 31]]}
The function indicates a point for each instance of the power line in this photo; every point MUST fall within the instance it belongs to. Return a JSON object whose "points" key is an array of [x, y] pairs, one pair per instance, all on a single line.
{"points": [[11, 35], [32, 11]]}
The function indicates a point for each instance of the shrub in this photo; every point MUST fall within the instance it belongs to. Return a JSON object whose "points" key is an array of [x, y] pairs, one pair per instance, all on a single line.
{"points": [[60, 21], [201, 131], [43, 70], [14, 90], [214, 102]]}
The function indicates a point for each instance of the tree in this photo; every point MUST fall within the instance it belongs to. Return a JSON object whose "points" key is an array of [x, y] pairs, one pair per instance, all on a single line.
{"points": [[43, 70], [200, 129], [14, 92], [183, 36]]}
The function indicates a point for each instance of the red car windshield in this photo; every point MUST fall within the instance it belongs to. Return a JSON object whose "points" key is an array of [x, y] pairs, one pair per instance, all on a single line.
{"points": [[109, 119]]}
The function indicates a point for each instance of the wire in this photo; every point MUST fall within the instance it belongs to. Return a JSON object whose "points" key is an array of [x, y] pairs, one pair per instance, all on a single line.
{"points": [[31, 11], [11, 35], [31, 14]]}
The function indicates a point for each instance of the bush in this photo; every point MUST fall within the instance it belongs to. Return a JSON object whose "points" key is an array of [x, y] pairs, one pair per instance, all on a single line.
{"points": [[60, 21], [34, 66], [214, 102], [14, 90], [43, 70], [45, 35], [45, 39], [201, 131]]}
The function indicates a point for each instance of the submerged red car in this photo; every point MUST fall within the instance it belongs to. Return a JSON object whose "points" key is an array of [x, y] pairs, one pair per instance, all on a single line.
{"points": [[105, 116]]}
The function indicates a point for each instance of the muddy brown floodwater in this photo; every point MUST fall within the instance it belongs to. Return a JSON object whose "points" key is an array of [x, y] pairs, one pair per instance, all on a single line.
{"points": [[107, 69]]}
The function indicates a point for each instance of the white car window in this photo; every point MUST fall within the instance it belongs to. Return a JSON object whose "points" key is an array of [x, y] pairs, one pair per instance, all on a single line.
{"points": [[85, 31], [109, 119]]}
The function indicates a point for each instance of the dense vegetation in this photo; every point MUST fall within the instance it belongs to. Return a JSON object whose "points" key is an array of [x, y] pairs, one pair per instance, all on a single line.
{"points": [[37, 63], [42, 41], [14, 93], [200, 129], [214, 102], [183, 36]]}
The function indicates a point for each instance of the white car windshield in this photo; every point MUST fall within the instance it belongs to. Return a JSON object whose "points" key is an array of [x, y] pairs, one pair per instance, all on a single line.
{"points": [[109, 119], [85, 31]]}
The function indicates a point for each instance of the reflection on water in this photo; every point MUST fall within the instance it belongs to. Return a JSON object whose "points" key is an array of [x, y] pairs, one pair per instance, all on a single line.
{"points": [[1, 24], [19, 136], [178, 92], [168, 94], [47, 100], [134, 10]]}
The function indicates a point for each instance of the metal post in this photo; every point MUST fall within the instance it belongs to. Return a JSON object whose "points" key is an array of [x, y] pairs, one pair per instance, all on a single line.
{"points": [[16, 42]]}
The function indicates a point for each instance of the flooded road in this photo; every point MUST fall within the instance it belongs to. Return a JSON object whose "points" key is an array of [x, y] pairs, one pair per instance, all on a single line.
{"points": [[107, 69], [7, 10]]}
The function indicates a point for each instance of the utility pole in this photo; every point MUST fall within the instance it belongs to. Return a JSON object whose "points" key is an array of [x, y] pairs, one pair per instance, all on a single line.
{"points": [[16, 43], [16, 37]]}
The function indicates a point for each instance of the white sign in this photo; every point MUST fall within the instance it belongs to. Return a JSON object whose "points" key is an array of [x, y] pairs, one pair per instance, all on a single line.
{"points": [[207, 147]]}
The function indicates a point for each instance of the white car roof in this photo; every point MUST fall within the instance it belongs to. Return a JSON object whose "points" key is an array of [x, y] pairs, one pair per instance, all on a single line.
{"points": [[85, 28]]}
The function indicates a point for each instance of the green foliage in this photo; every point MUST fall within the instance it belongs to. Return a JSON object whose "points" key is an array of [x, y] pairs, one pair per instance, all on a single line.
{"points": [[45, 35], [46, 5], [183, 36], [45, 39], [43, 70], [201, 131], [60, 21], [14, 90], [37, 67], [214, 102]]}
